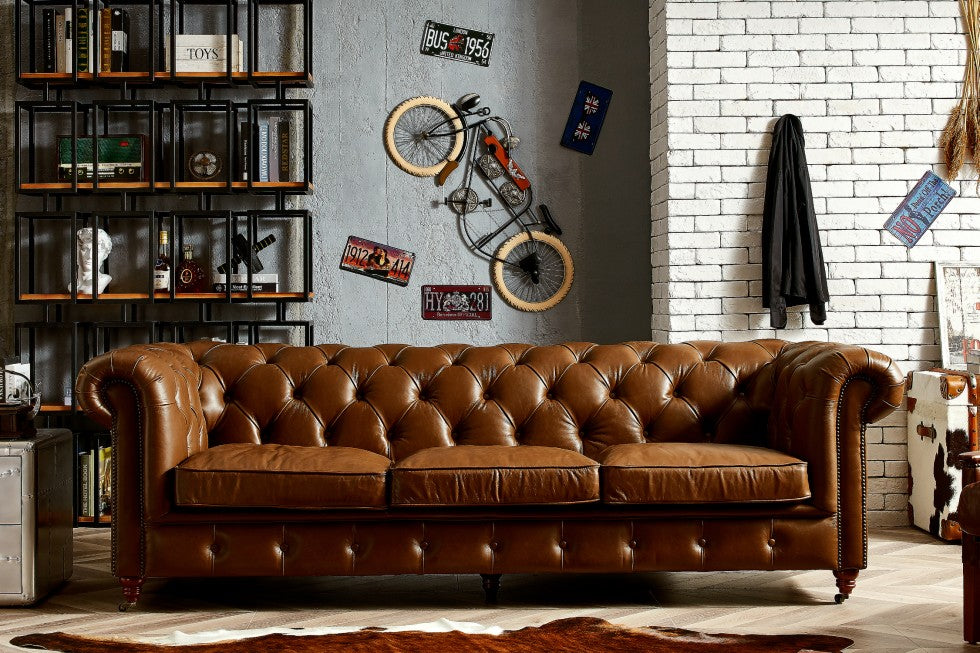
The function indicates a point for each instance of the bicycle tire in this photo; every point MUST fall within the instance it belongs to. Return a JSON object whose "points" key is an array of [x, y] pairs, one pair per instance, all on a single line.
{"points": [[412, 158], [513, 296]]}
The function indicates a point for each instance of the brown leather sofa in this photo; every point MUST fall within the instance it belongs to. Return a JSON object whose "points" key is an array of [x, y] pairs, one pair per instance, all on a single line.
{"points": [[271, 460]]}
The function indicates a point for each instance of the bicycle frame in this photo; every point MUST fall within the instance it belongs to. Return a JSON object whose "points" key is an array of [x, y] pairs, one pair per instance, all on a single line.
{"points": [[471, 153]]}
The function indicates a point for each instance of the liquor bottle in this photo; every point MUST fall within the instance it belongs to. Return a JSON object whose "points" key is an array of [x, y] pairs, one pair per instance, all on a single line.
{"points": [[161, 270], [190, 275]]}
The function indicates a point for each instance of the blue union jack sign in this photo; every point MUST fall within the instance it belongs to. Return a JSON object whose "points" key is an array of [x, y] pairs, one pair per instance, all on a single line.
{"points": [[586, 117]]}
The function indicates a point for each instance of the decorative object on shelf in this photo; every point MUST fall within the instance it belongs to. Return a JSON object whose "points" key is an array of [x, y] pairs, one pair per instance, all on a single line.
{"points": [[920, 208], [586, 116], [205, 165], [190, 276], [205, 53], [86, 265], [18, 405], [161, 268], [958, 303], [456, 43], [243, 253], [959, 138], [372, 259], [793, 271], [456, 303], [120, 158], [424, 136]]}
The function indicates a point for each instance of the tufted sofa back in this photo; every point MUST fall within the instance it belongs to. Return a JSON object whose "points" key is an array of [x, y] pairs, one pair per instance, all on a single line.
{"points": [[397, 399]]}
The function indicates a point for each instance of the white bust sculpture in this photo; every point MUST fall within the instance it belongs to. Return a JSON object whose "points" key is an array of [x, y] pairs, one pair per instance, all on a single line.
{"points": [[84, 250]]}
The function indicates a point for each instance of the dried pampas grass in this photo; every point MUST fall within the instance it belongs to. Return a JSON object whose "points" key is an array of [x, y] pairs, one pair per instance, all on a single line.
{"points": [[961, 135]]}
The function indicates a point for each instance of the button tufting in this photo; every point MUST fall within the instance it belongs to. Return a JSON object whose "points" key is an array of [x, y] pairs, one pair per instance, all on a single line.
{"points": [[214, 548], [424, 545], [772, 542], [550, 395], [563, 544], [702, 542], [228, 396], [633, 544], [612, 395], [355, 547], [486, 396], [494, 545]]}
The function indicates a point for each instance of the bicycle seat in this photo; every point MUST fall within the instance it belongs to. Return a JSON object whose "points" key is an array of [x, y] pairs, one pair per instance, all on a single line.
{"points": [[468, 101]]}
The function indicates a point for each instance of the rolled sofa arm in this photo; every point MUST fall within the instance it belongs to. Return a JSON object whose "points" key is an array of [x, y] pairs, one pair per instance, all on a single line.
{"points": [[148, 396], [825, 394]]}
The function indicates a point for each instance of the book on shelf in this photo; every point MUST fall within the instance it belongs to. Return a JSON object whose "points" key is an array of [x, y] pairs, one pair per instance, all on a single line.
{"points": [[244, 143], [69, 42], [263, 144], [239, 282], [84, 483], [114, 38], [274, 149], [83, 30], [205, 53], [48, 41], [59, 42], [285, 151]]}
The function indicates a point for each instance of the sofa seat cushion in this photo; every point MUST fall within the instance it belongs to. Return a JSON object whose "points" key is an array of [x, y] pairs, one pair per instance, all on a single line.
{"points": [[282, 476], [471, 475], [671, 472]]}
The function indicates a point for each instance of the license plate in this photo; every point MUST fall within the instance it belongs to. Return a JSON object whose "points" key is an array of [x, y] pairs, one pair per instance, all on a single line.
{"points": [[372, 259], [456, 303], [456, 43]]}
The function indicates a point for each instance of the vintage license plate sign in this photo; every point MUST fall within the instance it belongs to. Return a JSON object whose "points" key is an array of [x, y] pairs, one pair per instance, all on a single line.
{"points": [[457, 43], [379, 261], [456, 303], [919, 209]]}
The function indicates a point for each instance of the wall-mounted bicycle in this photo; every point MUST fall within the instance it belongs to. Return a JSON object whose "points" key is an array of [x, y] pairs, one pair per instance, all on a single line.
{"points": [[428, 137]]}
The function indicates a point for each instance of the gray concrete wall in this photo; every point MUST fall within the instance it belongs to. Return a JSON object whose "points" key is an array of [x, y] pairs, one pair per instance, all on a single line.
{"points": [[366, 61]]}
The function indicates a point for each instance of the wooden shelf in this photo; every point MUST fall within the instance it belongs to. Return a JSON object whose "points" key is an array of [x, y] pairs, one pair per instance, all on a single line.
{"points": [[143, 76], [163, 296], [55, 408], [195, 186]]}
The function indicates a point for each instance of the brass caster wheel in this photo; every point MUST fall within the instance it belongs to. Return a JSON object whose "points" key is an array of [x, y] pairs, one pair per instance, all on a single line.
{"points": [[840, 598]]}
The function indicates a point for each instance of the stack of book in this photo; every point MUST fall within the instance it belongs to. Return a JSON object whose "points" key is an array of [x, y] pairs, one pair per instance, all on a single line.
{"points": [[95, 486], [273, 147]]}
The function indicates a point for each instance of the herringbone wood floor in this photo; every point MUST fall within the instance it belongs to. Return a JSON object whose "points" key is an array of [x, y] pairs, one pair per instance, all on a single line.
{"points": [[908, 600]]}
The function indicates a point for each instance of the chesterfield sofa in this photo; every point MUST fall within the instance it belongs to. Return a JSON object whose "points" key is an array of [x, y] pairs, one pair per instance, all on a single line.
{"points": [[272, 460]]}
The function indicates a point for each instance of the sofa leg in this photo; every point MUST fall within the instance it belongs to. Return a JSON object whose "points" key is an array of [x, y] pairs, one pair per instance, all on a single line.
{"points": [[971, 574], [491, 584], [846, 581], [131, 587]]}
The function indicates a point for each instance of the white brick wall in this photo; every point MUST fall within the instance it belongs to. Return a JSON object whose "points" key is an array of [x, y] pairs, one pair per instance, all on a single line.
{"points": [[873, 83]]}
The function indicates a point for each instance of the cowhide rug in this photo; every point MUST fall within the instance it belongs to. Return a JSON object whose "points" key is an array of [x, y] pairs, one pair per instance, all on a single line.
{"points": [[562, 636]]}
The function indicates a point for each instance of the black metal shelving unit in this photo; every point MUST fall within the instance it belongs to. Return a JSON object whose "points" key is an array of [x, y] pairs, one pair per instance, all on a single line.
{"points": [[74, 327]]}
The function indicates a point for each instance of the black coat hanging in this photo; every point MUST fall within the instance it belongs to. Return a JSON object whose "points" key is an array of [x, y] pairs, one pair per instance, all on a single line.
{"points": [[793, 270]]}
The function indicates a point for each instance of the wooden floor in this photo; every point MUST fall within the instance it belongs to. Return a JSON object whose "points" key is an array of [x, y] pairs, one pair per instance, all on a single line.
{"points": [[908, 600]]}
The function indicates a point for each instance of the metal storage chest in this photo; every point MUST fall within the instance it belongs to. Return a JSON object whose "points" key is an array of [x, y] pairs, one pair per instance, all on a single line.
{"points": [[35, 515]]}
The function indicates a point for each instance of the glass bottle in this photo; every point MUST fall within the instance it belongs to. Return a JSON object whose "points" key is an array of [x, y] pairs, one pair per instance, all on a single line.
{"points": [[190, 275], [161, 269]]}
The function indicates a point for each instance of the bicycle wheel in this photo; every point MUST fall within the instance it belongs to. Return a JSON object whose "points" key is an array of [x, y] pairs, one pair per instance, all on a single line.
{"points": [[515, 284], [408, 138]]}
